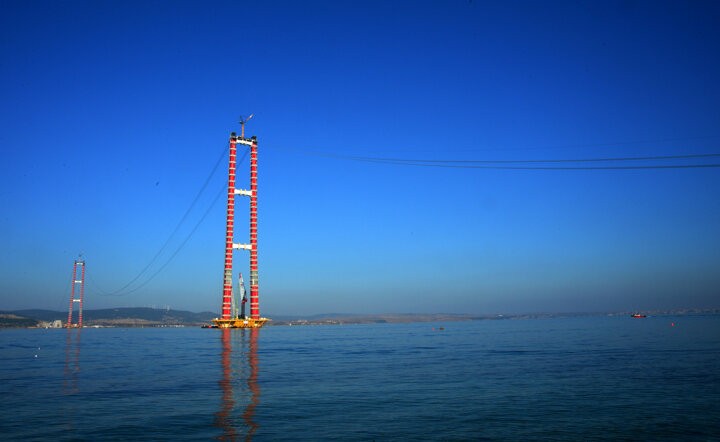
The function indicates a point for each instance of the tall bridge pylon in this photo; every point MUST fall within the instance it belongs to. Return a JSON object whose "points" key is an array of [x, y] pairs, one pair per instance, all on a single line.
{"points": [[77, 289], [228, 318]]}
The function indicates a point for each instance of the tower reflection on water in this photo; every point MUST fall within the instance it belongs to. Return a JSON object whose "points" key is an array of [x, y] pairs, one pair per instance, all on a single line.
{"points": [[240, 391], [70, 387], [72, 361]]}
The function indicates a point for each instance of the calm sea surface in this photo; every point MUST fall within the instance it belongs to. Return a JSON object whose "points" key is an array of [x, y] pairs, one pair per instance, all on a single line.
{"points": [[553, 379]]}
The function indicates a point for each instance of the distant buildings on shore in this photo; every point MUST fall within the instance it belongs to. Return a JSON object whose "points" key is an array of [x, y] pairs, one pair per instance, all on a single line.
{"points": [[50, 324]]}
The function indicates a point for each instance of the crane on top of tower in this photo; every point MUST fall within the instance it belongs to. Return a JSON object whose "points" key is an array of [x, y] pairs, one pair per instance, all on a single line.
{"points": [[244, 120]]}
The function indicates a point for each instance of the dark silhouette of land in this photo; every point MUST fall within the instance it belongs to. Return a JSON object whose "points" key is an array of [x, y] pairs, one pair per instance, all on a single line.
{"points": [[115, 317], [151, 317]]}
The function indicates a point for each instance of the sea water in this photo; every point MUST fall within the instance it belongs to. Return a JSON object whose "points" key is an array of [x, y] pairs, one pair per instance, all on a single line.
{"points": [[580, 378]]}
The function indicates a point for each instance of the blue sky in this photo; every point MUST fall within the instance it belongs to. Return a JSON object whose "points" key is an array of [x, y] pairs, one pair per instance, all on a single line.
{"points": [[115, 113]]}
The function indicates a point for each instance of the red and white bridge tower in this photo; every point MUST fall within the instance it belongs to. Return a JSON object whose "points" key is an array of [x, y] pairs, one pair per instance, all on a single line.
{"points": [[254, 320], [78, 271]]}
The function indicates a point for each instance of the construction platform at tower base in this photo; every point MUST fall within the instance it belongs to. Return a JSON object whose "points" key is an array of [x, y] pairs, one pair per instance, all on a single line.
{"points": [[239, 322]]}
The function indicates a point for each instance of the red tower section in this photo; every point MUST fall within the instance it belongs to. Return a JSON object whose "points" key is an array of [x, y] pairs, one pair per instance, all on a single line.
{"points": [[254, 302], [229, 226], [78, 265]]}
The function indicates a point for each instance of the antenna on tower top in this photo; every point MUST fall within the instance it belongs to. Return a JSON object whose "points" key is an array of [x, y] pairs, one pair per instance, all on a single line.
{"points": [[244, 120]]}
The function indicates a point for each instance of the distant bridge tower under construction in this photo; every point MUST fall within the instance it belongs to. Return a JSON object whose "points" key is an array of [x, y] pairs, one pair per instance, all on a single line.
{"points": [[229, 318], [78, 272]]}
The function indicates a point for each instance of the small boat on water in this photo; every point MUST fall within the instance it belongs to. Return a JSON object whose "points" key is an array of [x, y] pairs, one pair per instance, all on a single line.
{"points": [[638, 315]]}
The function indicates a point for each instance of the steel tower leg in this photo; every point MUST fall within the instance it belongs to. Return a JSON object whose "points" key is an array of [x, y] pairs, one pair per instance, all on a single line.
{"points": [[82, 294], [254, 301], [227, 277], [72, 295]]}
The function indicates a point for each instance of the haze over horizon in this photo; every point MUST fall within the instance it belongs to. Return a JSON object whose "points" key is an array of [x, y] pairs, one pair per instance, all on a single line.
{"points": [[414, 157]]}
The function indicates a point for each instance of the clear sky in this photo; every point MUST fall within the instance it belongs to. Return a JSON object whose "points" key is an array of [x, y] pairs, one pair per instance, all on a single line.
{"points": [[115, 113]]}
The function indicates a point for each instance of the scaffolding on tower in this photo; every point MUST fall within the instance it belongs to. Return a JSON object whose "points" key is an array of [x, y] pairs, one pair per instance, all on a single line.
{"points": [[77, 289], [229, 317]]}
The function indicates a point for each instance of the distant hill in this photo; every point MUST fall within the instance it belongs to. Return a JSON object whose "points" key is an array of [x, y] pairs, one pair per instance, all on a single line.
{"points": [[150, 317], [120, 317], [10, 320], [351, 318]]}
